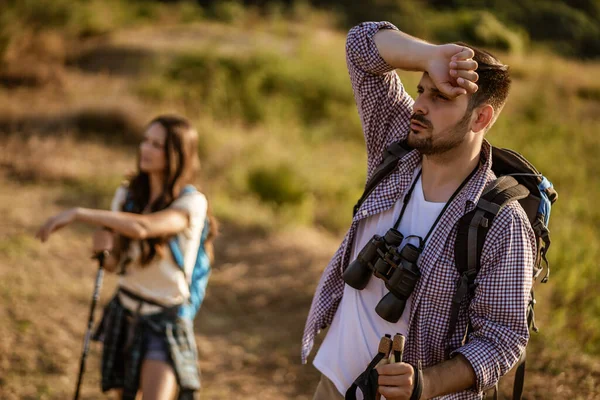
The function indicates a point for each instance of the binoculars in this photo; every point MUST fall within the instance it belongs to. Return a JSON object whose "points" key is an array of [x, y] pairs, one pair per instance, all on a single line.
{"points": [[398, 269]]}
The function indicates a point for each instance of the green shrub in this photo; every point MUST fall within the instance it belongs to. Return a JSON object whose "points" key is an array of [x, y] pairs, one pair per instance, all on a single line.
{"points": [[39, 14], [227, 10], [257, 86], [567, 27], [479, 28], [589, 93], [189, 11], [280, 185], [314, 86], [227, 86]]}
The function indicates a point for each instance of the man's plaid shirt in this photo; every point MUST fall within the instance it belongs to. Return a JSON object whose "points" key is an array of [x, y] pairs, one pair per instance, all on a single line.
{"points": [[497, 311]]}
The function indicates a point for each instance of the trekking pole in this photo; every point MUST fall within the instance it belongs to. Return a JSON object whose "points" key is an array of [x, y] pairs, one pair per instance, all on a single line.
{"points": [[86, 342], [398, 347]]}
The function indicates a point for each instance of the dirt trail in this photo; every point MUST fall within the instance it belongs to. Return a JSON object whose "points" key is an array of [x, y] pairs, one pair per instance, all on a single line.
{"points": [[248, 329]]}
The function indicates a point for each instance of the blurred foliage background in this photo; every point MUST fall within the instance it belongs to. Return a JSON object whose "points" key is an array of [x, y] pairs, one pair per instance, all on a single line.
{"points": [[281, 143]]}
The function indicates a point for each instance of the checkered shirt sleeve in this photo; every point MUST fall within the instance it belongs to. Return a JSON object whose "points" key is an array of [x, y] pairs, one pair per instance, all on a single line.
{"points": [[498, 311], [383, 105]]}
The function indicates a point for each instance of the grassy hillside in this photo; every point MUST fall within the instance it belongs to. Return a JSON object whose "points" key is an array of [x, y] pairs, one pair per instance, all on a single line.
{"points": [[283, 158]]}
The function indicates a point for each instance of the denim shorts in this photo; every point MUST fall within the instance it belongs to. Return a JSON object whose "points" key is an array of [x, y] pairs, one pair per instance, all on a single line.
{"points": [[156, 348]]}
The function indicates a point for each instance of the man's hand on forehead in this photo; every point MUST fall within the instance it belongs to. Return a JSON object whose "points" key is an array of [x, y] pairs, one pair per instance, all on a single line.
{"points": [[452, 70]]}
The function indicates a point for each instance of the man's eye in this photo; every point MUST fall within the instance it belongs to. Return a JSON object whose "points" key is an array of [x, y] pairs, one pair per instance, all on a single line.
{"points": [[440, 97]]}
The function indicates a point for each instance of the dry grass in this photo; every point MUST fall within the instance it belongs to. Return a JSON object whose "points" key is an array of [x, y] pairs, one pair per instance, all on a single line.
{"points": [[249, 325], [248, 330]]}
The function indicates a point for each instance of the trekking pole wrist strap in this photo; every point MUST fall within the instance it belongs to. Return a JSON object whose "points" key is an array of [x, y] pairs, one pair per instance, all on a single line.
{"points": [[417, 383]]}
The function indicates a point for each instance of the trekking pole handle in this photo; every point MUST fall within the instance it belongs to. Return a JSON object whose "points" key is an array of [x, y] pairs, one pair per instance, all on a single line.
{"points": [[101, 256], [398, 347]]}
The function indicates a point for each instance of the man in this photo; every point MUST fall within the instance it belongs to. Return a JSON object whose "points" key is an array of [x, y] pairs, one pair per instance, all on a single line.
{"points": [[446, 173]]}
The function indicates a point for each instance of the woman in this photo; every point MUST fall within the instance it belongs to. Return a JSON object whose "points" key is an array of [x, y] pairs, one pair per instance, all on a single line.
{"points": [[148, 347]]}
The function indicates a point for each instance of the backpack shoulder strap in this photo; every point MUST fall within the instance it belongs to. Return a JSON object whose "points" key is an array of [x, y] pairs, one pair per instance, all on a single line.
{"points": [[472, 230], [128, 205], [476, 224], [174, 242], [176, 248], [188, 189], [393, 153]]}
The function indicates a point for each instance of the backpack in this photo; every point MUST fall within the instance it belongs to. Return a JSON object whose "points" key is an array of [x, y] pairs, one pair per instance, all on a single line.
{"points": [[517, 180], [201, 271]]}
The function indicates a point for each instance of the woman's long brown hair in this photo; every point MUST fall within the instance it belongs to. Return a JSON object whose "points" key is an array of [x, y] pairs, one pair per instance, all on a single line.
{"points": [[182, 166]]}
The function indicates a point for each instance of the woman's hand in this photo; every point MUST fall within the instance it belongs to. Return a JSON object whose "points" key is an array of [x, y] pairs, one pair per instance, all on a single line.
{"points": [[55, 223], [102, 240]]}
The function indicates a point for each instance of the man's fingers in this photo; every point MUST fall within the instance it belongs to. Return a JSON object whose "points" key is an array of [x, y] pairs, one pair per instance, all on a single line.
{"points": [[465, 54], [393, 392], [468, 75], [395, 380], [451, 91], [468, 85], [466, 64], [395, 369]]}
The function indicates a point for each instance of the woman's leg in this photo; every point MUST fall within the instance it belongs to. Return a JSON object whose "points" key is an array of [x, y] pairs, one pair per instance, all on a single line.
{"points": [[158, 380]]}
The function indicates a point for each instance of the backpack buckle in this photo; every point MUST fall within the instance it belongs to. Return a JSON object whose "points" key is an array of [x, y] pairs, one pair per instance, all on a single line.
{"points": [[470, 276]]}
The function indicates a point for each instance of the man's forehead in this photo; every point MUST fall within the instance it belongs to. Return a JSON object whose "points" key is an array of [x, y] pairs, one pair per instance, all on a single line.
{"points": [[426, 82], [426, 85]]}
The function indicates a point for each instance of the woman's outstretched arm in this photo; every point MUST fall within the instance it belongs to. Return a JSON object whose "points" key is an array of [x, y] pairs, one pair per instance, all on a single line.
{"points": [[135, 226]]}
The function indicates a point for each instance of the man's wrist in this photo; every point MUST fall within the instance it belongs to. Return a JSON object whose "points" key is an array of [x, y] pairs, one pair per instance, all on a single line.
{"points": [[432, 53], [435, 54], [423, 54]]}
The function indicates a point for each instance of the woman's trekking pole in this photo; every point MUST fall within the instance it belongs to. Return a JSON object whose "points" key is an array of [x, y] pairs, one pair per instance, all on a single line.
{"points": [[86, 342]]}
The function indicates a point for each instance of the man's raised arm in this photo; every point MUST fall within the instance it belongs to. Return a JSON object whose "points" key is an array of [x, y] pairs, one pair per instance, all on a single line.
{"points": [[450, 66], [373, 51]]}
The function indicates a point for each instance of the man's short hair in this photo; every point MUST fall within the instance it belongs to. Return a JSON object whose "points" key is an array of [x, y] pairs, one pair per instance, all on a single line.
{"points": [[494, 80]]}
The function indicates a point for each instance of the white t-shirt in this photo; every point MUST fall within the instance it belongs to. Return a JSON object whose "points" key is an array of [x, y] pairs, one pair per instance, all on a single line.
{"points": [[162, 280], [353, 338]]}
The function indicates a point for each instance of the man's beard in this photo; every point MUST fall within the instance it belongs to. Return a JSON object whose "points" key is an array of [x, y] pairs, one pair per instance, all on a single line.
{"points": [[450, 139]]}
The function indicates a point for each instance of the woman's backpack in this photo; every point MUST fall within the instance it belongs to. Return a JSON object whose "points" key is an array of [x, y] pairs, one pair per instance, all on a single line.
{"points": [[201, 272]]}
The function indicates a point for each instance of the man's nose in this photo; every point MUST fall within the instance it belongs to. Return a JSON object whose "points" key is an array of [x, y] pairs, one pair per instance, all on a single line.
{"points": [[420, 107]]}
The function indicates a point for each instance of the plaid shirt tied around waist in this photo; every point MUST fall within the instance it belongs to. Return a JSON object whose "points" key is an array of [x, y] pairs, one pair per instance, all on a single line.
{"points": [[123, 335], [497, 310]]}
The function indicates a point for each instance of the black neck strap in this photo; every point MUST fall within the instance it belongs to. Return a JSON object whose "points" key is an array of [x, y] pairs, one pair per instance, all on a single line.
{"points": [[409, 194], [406, 199]]}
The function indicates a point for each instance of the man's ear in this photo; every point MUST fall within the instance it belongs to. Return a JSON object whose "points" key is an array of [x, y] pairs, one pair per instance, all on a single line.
{"points": [[484, 115]]}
